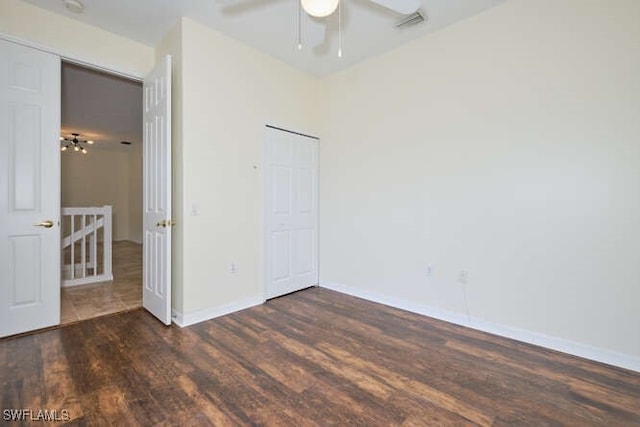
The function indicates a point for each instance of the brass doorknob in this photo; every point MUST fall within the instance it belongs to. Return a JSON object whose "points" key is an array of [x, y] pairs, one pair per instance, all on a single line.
{"points": [[46, 224]]}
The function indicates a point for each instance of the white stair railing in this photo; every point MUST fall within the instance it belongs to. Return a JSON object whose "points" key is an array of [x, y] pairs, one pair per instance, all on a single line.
{"points": [[87, 236]]}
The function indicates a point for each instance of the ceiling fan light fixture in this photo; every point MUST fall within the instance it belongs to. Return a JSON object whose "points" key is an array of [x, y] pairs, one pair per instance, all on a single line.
{"points": [[319, 8]]}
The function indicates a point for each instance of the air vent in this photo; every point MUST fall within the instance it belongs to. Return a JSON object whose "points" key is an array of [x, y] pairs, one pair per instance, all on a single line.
{"points": [[413, 19]]}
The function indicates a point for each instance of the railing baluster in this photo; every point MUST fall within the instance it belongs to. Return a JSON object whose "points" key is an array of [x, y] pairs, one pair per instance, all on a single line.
{"points": [[73, 247], [87, 233], [94, 246], [84, 246], [106, 244]]}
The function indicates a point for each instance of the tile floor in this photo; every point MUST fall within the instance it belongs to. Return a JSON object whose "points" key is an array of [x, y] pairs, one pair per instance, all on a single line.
{"points": [[123, 293]]}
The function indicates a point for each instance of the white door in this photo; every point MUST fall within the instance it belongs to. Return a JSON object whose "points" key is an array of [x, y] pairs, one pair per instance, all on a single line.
{"points": [[156, 170], [29, 189], [291, 212]]}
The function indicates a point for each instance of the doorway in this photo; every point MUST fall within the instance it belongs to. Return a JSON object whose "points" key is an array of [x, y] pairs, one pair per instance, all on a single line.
{"points": [[103, 113], [30, 153]]}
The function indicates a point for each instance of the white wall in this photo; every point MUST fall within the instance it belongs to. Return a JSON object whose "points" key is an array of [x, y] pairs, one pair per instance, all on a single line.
{"points": [[507, 146], [229, 93], [106, 177]]}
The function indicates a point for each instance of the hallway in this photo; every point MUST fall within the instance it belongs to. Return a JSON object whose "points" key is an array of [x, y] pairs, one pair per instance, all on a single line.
{"points": [[124, 293]]}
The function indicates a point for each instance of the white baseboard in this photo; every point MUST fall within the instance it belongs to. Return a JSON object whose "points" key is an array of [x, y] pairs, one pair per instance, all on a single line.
{"points": [[188, 319], [565, 346]]}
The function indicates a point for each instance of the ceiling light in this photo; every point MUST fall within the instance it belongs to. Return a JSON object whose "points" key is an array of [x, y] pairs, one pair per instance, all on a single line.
{"points": [[75, 143], [74, 6], [319, 8]]}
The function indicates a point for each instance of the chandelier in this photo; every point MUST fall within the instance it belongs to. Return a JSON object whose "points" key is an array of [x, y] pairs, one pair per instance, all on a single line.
{"points": [[74, 143]]}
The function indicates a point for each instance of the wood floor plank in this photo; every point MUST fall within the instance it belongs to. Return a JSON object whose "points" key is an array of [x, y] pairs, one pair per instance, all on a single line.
{"points": [[313, 358]]}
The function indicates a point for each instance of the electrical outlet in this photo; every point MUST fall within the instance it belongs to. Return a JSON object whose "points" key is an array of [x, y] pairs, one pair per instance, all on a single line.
{"points": [[429, 270], [233, 268], [463, 277]]}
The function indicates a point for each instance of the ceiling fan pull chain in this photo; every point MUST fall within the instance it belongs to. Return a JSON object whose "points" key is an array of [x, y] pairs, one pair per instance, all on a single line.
{"points": [[299, 24], [340, 29]]}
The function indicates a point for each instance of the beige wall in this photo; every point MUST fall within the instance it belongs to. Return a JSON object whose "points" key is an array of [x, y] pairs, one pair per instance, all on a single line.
{"points": [[506, 146], [72, 39], [229, 93], [105, 177]]}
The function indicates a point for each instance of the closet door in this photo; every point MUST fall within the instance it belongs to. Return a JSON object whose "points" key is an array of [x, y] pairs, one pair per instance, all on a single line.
{"points": [[290, 212]]}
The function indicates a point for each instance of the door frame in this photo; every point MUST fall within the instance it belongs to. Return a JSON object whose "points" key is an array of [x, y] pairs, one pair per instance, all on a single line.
{"points": [[77, 60], [86, 63], [269, 124]]}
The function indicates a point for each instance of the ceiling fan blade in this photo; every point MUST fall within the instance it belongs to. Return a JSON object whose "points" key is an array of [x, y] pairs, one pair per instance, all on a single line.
{"points": [[241, 6], [405, 7], [315, 31]]}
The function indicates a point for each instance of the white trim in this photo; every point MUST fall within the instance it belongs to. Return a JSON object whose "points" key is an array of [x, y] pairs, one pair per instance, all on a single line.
{"points": [[609, 357], [188, 319], [74, 59]]}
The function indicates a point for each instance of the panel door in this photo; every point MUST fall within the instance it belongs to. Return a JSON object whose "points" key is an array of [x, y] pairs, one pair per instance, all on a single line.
{"points": [[291, 212], [156, 270], [29, 189]]}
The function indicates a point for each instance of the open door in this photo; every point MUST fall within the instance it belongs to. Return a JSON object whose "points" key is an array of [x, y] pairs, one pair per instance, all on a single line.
{"points": [[29, 189], [156, 172]]}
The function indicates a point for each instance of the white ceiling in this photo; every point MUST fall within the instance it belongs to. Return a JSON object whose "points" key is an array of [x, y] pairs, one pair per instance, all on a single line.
{"points": [[270, 25], [100, 107]]}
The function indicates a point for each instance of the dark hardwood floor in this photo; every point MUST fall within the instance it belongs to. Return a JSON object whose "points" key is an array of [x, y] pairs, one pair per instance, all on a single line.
{"points": [[315, 357]]}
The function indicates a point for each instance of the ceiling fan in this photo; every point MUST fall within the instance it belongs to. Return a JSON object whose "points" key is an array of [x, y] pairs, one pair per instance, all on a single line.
{"points": [[317, 10], [323, 8]]}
